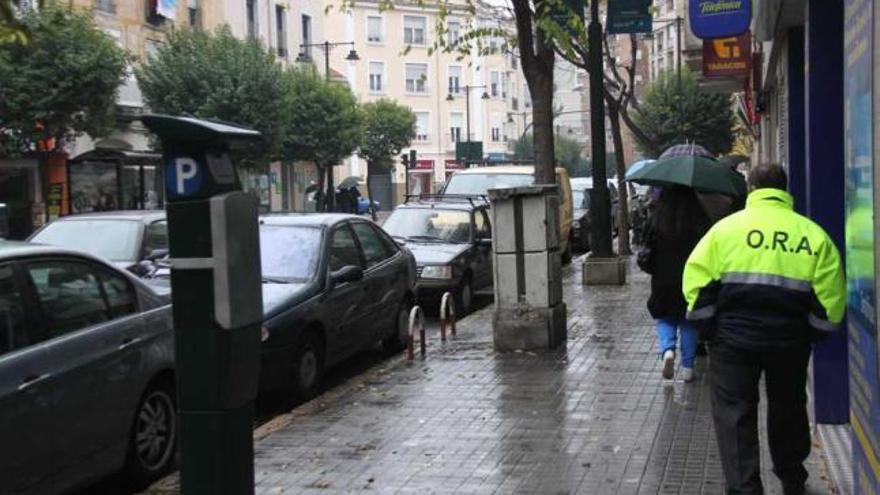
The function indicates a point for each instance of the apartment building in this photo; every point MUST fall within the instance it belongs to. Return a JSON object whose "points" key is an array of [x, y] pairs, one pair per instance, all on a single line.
{"points": [[672, 42], [479, 97]]}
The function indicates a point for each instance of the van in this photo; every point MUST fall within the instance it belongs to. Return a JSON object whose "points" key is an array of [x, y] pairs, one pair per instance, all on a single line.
{"points": [[478, 181]]}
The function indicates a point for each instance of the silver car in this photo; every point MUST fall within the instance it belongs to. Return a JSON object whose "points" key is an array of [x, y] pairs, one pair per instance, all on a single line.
{"points": [[86, 372], [125, 238]]}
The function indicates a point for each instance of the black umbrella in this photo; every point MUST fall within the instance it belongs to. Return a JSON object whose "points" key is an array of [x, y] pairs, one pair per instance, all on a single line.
{"points": [[349, 182]]}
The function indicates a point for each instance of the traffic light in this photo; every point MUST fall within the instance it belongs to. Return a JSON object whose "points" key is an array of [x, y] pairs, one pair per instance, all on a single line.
{"points": [[404, 159], [412, 158]]}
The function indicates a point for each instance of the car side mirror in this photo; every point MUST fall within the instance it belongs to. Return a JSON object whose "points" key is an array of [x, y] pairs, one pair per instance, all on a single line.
{"points": [[345, 274]]}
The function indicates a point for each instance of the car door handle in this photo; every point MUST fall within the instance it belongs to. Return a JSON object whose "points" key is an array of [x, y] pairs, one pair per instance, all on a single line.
{"points": [[130, 341], [32, 380]]}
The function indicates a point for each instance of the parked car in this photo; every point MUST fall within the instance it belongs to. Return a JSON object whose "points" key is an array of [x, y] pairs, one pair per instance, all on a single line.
{"points": [[477, 181], [451, 239], [333, 284], [125, 238], [581, 188], [86, 372]]}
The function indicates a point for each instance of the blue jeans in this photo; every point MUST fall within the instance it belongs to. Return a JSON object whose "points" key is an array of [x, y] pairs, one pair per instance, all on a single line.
{"points": [[666, 333]]}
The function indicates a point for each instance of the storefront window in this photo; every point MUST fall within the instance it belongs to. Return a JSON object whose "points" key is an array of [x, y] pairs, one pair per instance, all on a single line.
{"points": [[93, 187]]}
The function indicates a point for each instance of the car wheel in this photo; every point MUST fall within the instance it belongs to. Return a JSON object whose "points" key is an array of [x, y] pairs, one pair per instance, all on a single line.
{"points": [[153, 441], [395, 343], [464, 296], [308, 366]]}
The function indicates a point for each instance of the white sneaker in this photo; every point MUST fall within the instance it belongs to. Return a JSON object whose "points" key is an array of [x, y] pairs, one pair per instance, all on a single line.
{"points": [[668, 364], [687, 374]]}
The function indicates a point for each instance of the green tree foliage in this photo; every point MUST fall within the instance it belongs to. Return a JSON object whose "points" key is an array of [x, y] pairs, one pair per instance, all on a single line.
{"points": [[11, 29], [567, 152], [674, 113], [215, 75], [323, 123], [61, 83], [388, 128]]}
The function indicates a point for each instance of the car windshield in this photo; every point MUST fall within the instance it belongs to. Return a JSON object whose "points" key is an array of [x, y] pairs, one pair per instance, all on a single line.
{"points": [[429, 224], [481, 183], [289, 253], [581, 198], [111, 239]]}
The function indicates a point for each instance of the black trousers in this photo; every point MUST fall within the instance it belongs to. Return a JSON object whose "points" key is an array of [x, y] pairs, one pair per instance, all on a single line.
{"points": [[735, 374]]}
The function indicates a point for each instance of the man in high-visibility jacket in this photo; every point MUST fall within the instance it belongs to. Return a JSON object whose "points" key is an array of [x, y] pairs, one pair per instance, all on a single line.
{"points": [[763, 284]]}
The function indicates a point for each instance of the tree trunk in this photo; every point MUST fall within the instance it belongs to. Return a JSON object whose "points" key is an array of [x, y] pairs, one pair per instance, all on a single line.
{"points": [[320, 195], [330, 194], [370, 191], [537, 58], [541, 88], [623, 247]]}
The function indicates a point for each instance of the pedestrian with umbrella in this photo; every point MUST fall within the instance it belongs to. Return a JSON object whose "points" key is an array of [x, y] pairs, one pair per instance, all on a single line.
{"points": [[679, 221]]}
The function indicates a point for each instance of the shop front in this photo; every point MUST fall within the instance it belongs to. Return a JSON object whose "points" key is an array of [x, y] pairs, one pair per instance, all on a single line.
{"points": [[452, 166], [421, 177], [20, 198], [106, 180]]}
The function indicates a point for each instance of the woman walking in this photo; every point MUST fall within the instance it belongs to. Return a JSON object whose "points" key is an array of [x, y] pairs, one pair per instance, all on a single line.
{"points": [[676, 226]]}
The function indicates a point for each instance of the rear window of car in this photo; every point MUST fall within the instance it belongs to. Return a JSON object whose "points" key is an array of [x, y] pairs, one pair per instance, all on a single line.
{"points": [[481, 183], [111, 239]]}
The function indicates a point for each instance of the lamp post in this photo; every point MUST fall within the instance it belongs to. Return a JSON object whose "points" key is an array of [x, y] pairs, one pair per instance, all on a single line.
{"points": [[467, 98], [600, 205], [304, 57]]}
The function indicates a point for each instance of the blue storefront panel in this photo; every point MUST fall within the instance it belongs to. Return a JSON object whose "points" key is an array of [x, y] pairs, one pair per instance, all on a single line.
{"points": [[860, 246]]}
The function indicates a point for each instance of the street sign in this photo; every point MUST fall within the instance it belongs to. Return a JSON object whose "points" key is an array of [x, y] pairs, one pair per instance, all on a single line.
{"points": [[724, 57], [711, 19], [629, 16], [183, 178], [469, 151]]}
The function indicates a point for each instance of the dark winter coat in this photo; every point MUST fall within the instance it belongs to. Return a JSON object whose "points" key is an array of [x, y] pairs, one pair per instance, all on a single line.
{"points": [[669, 252]]}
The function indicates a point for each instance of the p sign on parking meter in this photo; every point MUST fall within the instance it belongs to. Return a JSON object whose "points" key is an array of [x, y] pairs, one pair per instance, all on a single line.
{"points": [[182, 176], [214, 244]]}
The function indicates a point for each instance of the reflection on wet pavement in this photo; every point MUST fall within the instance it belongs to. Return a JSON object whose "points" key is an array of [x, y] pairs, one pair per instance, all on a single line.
{"points": [[591, 418]]}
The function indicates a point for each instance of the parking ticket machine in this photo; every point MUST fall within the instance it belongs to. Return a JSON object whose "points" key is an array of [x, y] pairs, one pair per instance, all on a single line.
{"points": [[217, 301]]}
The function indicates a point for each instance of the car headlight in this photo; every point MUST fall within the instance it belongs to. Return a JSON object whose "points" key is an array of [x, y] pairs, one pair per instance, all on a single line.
{"points": [[437, 272], [264, 334]]}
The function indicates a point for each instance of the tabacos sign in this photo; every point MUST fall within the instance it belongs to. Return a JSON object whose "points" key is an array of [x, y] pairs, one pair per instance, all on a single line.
{"points": [[727, 56], [712, 19]]}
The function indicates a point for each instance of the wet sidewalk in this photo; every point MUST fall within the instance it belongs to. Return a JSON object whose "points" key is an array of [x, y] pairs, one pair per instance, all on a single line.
{"points": [[593, 418]]}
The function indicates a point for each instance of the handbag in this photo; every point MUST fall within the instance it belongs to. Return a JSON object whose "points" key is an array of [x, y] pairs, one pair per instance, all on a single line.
{"points": [[645, 258]]}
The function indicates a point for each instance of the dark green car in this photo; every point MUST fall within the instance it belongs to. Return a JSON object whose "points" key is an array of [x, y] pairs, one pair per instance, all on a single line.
{"points": [[451, 239]]}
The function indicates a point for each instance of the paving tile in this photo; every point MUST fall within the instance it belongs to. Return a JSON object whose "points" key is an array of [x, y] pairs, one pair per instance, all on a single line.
{"points": [[592, 417]]}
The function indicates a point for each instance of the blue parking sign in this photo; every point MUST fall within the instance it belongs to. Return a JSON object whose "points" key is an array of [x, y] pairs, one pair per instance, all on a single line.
{"points": [[183, 177]]}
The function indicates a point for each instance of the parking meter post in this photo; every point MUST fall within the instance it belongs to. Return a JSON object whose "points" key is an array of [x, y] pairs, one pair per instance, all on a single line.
{"points": [[213, 240]]}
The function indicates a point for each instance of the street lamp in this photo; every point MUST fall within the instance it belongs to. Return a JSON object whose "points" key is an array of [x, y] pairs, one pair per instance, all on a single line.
{"points": [[467, 98], [304, 57]]}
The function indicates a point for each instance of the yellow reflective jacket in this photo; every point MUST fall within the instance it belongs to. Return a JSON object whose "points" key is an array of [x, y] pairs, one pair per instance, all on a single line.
{"points": [[765, 275]]}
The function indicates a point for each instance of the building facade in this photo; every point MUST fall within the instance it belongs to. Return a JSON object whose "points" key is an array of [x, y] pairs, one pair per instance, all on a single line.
{"points": [[478, 97]]}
